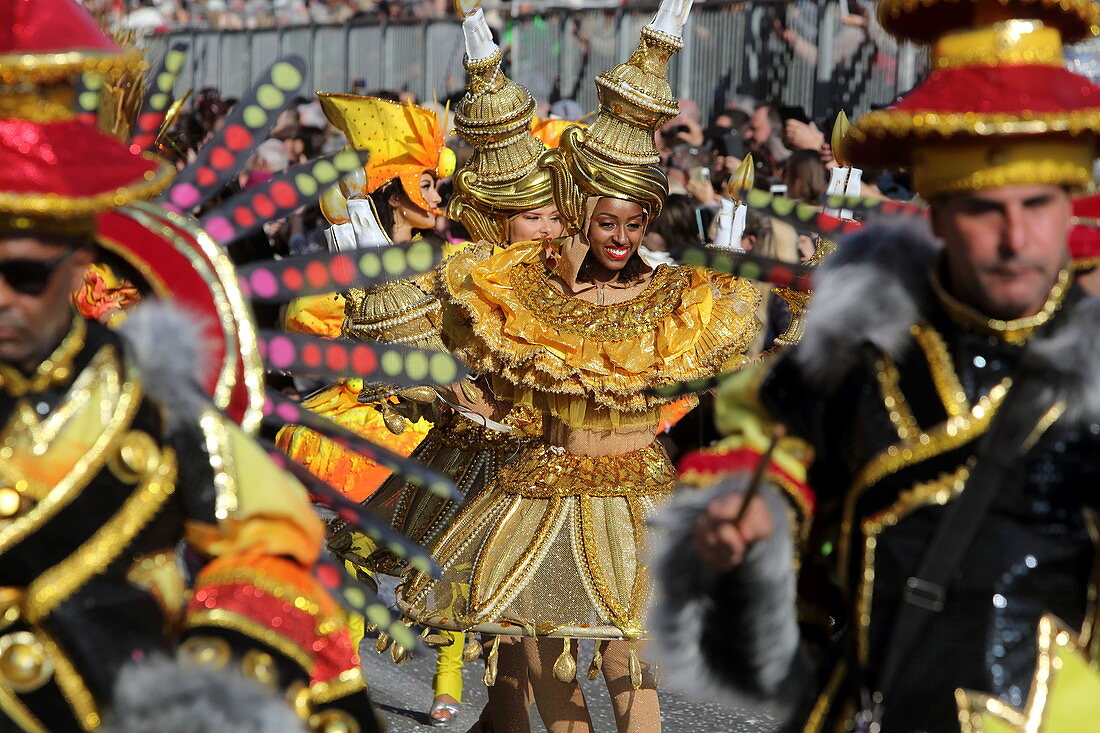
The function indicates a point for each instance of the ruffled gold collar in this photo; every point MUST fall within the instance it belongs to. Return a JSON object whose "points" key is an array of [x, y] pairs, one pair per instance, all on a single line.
{"points": [[1016, 331], [57, 368]]}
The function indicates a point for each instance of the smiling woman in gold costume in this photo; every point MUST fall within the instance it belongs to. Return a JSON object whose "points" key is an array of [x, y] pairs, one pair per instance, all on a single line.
{"points": [[580, 329]]}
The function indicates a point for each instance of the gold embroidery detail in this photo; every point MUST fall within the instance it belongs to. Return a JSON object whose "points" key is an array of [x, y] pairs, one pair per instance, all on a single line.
{"points": [[61, 206], [19, 713], [42, 68], [1016, 331], [137, 457], [24, 664], [824, 701], [897, 16], [111, 405], [52, 587], [224, 619], [71, 684], [542, 472], [942, 368], [273, 587], [893, 400], [56, 369], [219, 448], [946, 436], [212, 652], [599, 322], [939, 491], [348, 683]]}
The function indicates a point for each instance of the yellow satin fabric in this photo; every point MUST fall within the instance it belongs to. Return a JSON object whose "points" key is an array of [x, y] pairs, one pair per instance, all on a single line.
{"points": [[713, 322]]}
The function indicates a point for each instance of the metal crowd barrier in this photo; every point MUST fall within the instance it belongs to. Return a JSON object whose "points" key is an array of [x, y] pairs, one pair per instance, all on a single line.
{"points": [[822, 65]]}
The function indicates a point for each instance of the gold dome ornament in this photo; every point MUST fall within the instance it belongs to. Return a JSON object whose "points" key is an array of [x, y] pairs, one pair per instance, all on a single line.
{"points": [[616, 156], [502, 178], [1064, 697]]}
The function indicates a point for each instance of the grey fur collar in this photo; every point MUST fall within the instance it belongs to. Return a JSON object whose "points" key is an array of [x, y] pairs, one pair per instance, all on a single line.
{"points": [[870, 291], [1067, 363], [733, 639], [162, 696], [167, 345]]}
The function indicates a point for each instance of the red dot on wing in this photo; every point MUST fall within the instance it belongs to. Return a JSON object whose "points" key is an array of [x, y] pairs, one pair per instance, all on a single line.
{"points": [[237, 137], [329, 576], [363, 360], [311, 355], [206, 177], [292, 278], [221, 158], [343, 270], [316, 274], [336, 358], [284, 194], [244, 216], [263, 206]]}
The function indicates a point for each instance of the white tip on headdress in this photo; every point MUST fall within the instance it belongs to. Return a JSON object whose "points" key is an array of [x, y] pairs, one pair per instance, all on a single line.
{"points": [[730, 225], [479, 39], [671, 17]]}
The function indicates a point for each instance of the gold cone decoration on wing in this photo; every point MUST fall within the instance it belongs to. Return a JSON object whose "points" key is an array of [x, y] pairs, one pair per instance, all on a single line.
{"points": [[743, 178], [839, 139]]}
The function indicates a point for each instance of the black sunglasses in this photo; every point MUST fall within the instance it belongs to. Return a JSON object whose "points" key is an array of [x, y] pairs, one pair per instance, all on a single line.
{"points": [[30, 276]]}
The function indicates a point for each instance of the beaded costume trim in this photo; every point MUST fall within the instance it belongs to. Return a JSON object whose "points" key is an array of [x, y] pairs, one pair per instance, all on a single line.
{"points": [[599, 322]]}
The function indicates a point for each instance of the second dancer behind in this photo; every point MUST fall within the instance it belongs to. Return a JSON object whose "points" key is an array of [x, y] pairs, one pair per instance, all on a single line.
{"points": [[501, 197], [580, 329]]}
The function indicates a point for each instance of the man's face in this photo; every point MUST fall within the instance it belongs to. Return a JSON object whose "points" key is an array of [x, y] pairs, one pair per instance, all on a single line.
{"points": [[31, 325], [1004, 246], [759, 129]]}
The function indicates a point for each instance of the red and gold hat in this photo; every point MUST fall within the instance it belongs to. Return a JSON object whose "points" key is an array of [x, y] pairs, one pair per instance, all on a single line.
{"points": [[1084, 238], [46, 41], [57, 173], [404, 140], [999, 107]]}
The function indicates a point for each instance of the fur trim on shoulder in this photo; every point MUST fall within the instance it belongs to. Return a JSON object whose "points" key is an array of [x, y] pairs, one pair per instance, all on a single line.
{"points": [[167, 345], [1068, 363], [870, 291], [162, 696], [734, 638]]}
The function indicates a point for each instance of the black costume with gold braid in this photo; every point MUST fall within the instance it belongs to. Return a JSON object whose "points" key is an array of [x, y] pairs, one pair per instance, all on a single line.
{"points": [[99, 483]]}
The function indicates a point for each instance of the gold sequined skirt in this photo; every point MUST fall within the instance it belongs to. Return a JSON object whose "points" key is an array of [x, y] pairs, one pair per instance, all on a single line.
{"points": [[467, 453], [554, 547]]}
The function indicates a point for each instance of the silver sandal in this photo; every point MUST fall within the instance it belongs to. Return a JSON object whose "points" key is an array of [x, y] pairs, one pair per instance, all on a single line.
{"points": [[439, 706]]}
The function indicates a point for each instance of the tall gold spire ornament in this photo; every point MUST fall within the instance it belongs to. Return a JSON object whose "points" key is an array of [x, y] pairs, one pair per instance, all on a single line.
{"points": [[494, 116]]}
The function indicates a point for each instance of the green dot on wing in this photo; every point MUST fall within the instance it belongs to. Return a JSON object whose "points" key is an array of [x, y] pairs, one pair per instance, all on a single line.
{"points": [[420, 257], [421, 564], [416, 366], [440, 489], [269, 97], [92, 81], [402, 636], [306, 184], [355, 597], [325, 172], [165, 81], [442, 369], [174, 61], [392, 363], [397, 550], [378, 615], [285, 76], [158, 100], [370, 265], [346, 160], [89, 100], [254, 116], [394, 260]]}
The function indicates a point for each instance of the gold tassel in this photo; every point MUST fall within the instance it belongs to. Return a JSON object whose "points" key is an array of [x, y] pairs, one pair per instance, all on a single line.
{"points": [[635, 669], [596, 666], [490, 676], [383, 642], [400, 654], [565, 669], [472, 650], [437, 639]]}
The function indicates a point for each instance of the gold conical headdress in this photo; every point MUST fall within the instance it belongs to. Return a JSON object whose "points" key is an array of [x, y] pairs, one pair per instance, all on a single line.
{"points": [[502, 178], [616, 156]]}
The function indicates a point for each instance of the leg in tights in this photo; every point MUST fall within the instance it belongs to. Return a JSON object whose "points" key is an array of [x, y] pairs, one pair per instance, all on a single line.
{"points": [[561, 705], [636, 711], [510, 698]]}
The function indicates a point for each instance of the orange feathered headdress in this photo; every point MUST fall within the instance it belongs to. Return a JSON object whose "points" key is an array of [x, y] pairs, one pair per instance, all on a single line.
{"points": [[404, 141]]}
